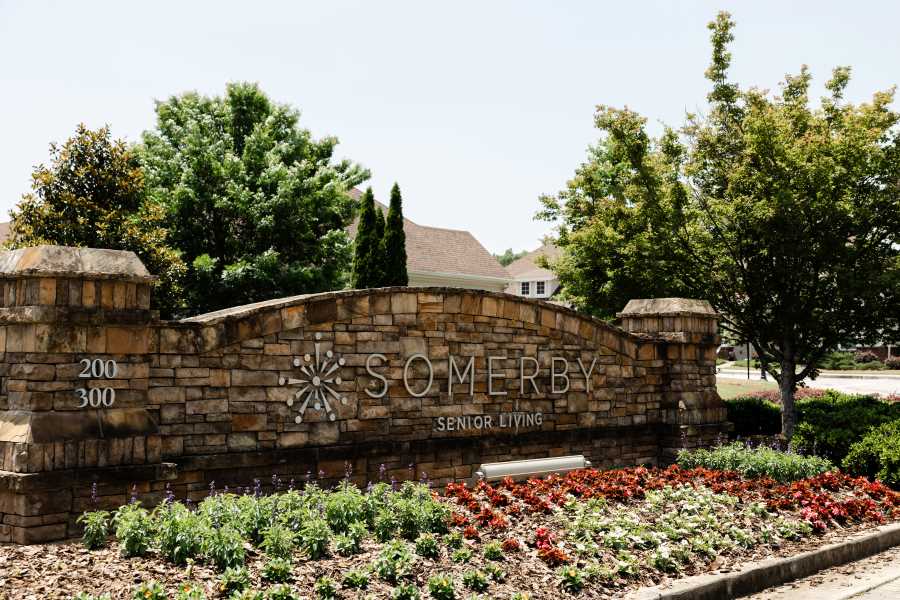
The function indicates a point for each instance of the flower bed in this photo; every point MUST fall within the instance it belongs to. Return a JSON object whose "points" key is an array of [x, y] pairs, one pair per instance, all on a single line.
{"points": [[589, 532]]}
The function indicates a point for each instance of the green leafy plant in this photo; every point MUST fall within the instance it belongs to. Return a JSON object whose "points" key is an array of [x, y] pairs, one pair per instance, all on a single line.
{"points": [[493, 551], [325, 588], [356, 579], [277, 570], [344, 506], [755, 462], [393, 562], [463, 555], [280, 592], [454, 540], [96, 529], [405, 591], [190, 591], [234, 579], [441, 587], [753, 415], [495, 573], [314, 538], [177, 532], [223, 546], [149, 590], [134, 529], [278, 541], [877, 455], [86, 596], [475, 580], [246, 594], [830, 424], [571, 579], [427, 545]]}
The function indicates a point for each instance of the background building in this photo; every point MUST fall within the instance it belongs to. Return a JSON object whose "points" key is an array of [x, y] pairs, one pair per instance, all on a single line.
{"points": [[531, 280]]}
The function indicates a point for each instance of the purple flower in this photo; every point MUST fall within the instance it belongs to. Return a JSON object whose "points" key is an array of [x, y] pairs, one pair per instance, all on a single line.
{"points": [[170, 495], [321, 474], [212, 487], [291, 485], [257, 488], [134, 494], [393, 483], [381, 472], [348, 470], [94, 499]]}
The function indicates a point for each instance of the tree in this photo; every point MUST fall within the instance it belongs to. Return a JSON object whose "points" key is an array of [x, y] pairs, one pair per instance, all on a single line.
{"points": [[509, 257], [395, 242], [366, 245], [92, 195], [378, 258], [256, 204], [785, 216]]}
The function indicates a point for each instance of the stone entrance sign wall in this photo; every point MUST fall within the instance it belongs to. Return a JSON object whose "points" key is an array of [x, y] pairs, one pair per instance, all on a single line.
{"points": [[96, 389]]}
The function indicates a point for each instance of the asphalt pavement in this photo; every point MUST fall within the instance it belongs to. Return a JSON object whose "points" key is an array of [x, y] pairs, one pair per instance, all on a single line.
{"points": [[863, 383]]}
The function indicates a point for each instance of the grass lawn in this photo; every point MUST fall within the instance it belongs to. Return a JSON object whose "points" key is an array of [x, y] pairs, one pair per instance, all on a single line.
{"points": [[731, 388]]}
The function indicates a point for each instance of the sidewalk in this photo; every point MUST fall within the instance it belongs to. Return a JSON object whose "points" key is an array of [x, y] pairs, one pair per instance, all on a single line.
{"points": [[873, 578]]}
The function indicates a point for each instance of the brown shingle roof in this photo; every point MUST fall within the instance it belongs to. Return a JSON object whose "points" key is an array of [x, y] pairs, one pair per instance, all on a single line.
{"points": [[527, 265], [438, 250]]}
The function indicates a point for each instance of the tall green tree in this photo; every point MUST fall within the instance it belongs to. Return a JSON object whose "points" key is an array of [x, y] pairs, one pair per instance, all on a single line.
{"points": [[367, 245], [785, 215], [255, 203], [395, 242], [378, 258], [92, 194]]}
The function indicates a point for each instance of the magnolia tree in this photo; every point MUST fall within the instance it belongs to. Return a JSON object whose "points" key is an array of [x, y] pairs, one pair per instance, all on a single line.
{"points": [[784, 214]]}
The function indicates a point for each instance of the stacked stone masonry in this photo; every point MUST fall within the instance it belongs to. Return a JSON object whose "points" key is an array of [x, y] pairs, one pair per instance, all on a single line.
{"points": [[219, 397]]}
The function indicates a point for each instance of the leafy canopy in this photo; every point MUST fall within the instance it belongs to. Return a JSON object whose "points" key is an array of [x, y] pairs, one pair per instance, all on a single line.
{"points": [[256, 204], [92, 194], [785, 215]]}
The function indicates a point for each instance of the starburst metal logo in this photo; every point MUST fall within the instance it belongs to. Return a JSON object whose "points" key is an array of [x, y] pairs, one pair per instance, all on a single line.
{"points": [[317, 386]]}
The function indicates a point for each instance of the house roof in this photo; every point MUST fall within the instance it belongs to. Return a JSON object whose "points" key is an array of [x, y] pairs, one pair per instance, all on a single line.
{"points": [[443, 251], [527, 267]]}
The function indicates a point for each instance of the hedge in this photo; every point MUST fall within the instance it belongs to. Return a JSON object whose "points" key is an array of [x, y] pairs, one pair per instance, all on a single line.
{"points": [[877, 455]]}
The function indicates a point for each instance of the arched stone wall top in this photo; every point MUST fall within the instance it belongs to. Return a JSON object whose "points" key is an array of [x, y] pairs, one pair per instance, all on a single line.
{"points": [[234, 325]]}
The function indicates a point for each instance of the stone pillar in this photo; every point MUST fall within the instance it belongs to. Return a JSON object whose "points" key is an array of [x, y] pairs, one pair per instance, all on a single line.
{"points": [[62, 309], [686, 335]]}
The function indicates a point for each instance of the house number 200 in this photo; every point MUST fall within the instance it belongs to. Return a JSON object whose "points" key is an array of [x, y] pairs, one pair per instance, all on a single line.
{"points": [[97, 368]]}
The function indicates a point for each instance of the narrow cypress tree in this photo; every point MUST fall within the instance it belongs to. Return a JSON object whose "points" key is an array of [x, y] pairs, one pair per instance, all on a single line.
{"points": [[365, 244], [377, 260], [395, 242]]}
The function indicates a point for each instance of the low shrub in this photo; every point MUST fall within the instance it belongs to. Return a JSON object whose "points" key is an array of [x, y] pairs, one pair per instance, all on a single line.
{"points": [[866, 356], [828, 425], [96, 529], [877, 455], [462, 555], [892, 363], [314, 538], [755, 462], [753, 415], [278, 541]]}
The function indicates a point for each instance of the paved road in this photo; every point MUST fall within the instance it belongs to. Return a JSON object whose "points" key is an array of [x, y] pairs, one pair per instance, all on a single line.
{"points": [[869, 385], [873, 578]]}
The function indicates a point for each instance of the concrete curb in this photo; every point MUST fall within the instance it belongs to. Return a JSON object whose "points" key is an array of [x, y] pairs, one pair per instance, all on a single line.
{"points": [[757, 577]]}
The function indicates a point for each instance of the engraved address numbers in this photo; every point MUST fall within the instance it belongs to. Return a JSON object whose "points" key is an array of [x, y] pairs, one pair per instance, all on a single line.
{"points": [[97, 368]]}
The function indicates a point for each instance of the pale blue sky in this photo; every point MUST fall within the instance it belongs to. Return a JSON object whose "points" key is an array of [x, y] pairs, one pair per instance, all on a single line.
{"points": [[476, 108]]}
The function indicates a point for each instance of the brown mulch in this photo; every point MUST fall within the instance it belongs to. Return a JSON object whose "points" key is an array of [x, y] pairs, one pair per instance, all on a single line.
{"points": [[60, 570]]}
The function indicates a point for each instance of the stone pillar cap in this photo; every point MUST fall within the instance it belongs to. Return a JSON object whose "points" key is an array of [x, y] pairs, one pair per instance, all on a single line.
{"points": [[68, 261], [667, 307]]}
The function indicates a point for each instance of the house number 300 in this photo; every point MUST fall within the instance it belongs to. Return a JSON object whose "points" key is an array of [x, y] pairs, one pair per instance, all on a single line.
{"points": [[97, 368]]}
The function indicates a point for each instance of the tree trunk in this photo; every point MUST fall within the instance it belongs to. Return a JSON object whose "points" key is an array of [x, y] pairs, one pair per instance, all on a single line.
{"points": [[787, 385]]}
